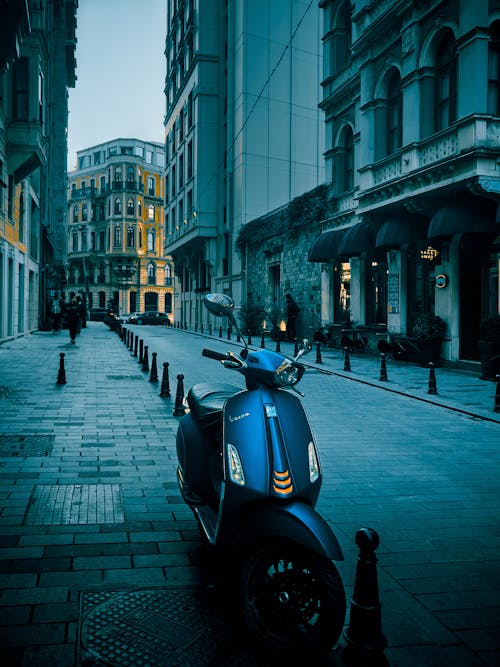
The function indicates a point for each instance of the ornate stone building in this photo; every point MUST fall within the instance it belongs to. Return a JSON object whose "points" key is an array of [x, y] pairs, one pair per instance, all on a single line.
{"points": [[115, 232], [37, 65]]}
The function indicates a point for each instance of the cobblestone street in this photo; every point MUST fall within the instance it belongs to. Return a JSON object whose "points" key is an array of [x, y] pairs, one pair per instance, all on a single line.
{"points": [[90, 506]]}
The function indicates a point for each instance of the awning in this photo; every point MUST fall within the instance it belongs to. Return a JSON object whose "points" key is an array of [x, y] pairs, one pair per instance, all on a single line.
{"points": [[463, 217], [395, 232], [357, 239], [326, 246]]}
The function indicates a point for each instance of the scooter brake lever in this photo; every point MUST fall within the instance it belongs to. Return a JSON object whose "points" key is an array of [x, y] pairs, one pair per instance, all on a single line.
{"points": [[297, 391]]}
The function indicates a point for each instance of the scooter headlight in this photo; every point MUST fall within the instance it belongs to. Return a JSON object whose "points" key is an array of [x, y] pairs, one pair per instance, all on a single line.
{"points": [[287, 374], [235, 467], [313, 462]]}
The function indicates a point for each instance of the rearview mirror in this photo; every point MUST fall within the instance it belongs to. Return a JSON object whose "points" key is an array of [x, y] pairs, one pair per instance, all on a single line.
{"points": [[220, 305]]}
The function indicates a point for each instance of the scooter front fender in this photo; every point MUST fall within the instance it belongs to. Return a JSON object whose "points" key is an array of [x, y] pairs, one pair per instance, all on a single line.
{"points": [[294, 521]]}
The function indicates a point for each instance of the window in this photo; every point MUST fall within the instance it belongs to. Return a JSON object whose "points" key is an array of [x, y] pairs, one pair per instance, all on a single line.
{"points": [[394, 132], [174, 176], [181, 171], [117, 237], [92, 184], [20, 83], [445, 83], [166, 189], [181, 212], [92, 240], [97, 157], [341, 43], [103, 183], [130, 237], [168, 302], [118, 174], [84, 213], [101, 211], [189, 160], [151, 212], [151, 274], [151, 240], [140, 237], [139, 208], [494, 70], [75, 213], [151, 186], [181, 126], [130, 175], [225, 259], [74, 241], [190, 110], [21, 218], [102, 242], [84, 239], [345, 161], [118, 206], [130, 206], [168, 277], [189, 204]]}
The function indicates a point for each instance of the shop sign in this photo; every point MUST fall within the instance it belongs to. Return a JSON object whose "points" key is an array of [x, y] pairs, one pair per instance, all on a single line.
{"points": [[441, 280], [393, 293], [428, 253]]}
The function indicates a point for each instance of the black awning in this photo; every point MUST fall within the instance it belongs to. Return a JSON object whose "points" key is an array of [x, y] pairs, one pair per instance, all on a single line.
{"points": [[463, 217], [397, 231], [357, 239], [326, 246]]}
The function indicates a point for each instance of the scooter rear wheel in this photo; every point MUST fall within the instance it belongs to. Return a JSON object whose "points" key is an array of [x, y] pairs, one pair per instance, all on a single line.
{"points": [[293, 600]]}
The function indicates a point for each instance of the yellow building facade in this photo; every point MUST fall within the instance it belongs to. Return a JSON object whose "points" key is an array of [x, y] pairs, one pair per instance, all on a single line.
{"points": [[115, 228]]}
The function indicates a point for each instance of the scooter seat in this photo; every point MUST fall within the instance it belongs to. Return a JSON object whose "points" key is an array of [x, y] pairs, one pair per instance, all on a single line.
{"points": [[206, 403]]}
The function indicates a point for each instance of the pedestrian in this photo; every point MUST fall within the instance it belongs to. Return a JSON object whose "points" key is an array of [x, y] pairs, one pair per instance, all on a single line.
{"points": [[72, 312], [292, 312], [56, 313]]}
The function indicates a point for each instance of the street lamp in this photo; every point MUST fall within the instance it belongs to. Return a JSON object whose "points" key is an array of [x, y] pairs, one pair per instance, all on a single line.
{"points": [[124, 271]]}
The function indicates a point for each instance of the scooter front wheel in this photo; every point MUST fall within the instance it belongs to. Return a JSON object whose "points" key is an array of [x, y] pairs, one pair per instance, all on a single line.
{"points": [[293, 600]]}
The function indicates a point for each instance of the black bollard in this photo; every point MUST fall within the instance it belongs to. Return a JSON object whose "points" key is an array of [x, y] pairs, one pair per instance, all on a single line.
{"points": [[196, 326], [364, 633], [229, 333], [262, 341], [210, 328], [347, 360], [383, 368], [249, 337], [318, 354], [61, 375], [201, 328], [136, 343], [131, 341], [278, 344], [296, 348], [220, 331], [432, 380], [165, 384], [145, 359], [153, 376], [238, 337], [141, 351], [179, 408], [497, 395]]}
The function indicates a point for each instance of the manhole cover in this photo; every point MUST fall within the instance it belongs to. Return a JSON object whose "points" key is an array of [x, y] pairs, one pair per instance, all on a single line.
{"points": [[62, 504], [159, 627], [26, 445]]}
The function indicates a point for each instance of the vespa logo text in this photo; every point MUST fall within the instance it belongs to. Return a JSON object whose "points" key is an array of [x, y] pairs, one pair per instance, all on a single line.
{"points": [[235, 419]]}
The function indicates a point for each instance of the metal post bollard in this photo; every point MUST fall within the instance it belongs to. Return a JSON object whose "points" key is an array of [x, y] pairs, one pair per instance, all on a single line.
{"points": [[153, 376], [347, 360], [497, 395], [136, 343], [179, 408], [229, 333], [278, 344], [364, 633], [383, 368], [145, 359], [210, 328], [201, 328], [432, 380], [262, 341], [249, 337], [165, 384], [220, 331], [61, 375], [318, 354], [296, 348], [141, 351]]}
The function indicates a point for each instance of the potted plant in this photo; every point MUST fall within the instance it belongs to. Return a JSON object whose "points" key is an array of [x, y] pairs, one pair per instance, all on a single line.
{"points": [[489, 347], [429, 330]]}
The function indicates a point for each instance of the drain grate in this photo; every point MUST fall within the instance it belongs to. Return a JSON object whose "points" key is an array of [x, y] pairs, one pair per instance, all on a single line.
{"points": [[63, 504], [26, 445], [156, 627]]}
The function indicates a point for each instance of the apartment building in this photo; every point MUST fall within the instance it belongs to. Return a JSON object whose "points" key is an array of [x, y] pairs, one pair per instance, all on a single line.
{"points": [[37, 65], [243, 131], [115, 231]]}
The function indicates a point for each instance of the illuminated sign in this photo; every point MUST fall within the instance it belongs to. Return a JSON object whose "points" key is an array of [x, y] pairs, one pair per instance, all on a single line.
{"points": [[429, 253]]}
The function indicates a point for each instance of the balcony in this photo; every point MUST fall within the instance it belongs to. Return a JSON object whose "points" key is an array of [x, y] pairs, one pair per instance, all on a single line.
{"points": [[466, 150], [27, 147], [193, 229], [83, 193]]}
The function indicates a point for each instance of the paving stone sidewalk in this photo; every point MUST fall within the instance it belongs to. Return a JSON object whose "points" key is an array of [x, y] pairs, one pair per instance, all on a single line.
{"points": [[89, 501]]}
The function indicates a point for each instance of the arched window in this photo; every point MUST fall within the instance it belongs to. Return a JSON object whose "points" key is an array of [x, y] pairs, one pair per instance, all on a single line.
{"points": [[21, 218], [130, 206], [168, 302], [341, 39], [118, 206], [130, 237], [494, 69], [118, 174], [151, 240], [130, 175], [101, 211], [139, 208], [151, 212], [118, 237], [168, 276], [75, 213], [151, 274], [446, 87], [345, 161], [394, 130], [84, 212]]}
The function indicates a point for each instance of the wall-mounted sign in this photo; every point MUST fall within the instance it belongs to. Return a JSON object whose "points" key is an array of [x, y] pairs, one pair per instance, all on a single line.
{"points": [[441, 280], [429, 253], [393, 293]]}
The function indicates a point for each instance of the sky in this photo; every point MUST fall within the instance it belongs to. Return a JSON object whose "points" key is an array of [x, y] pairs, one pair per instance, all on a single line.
{"points": [[120, 69]]}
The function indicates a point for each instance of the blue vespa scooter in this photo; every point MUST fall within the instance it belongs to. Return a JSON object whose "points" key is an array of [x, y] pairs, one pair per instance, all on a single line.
{"points": [[248, 468]]}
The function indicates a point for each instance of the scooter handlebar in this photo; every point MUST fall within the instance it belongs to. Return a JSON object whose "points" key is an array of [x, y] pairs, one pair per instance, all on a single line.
{"points": [[212, 354]]}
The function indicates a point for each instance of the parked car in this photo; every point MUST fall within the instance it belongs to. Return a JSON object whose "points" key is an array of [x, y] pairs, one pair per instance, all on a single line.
{"points": [[98, 314], [149, 317]]}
